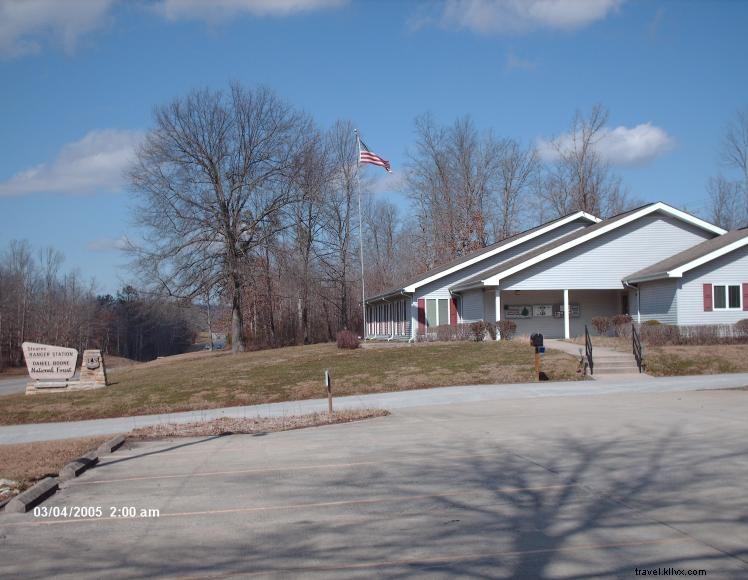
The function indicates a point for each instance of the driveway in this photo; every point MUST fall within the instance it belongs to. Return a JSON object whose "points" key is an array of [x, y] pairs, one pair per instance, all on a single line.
{"points": [[562, 487], [14, 385]]}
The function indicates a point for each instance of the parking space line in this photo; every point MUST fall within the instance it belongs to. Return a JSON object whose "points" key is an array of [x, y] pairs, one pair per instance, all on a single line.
{"points": [[283, 468]]}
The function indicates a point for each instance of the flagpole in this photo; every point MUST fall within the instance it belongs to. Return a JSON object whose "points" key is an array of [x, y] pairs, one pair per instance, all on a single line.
{"points": [[360, 231]]}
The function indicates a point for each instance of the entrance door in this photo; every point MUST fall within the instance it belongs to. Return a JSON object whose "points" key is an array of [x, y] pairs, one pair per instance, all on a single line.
{"points": [[624, 304]]}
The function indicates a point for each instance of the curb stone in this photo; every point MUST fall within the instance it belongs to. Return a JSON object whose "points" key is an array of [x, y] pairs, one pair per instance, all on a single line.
{"points": [[36, 494], [33, 496], [78, 466], [111, 445]]}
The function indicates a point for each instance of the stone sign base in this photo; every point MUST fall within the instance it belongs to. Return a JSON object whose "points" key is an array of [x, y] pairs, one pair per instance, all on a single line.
{"points": [[40, 387]]}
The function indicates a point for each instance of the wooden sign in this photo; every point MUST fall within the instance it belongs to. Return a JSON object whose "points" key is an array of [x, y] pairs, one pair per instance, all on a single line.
{"points": [[46, 362]]}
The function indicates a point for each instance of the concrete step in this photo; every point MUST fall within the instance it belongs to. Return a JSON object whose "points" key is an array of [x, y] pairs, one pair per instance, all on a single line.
{"points": [[615, 371], [613, 357], [614, 363]]}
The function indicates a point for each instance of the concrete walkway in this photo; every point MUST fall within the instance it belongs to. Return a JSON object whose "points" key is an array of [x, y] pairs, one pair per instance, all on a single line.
{"points": [[391, 401], [574, 349]]}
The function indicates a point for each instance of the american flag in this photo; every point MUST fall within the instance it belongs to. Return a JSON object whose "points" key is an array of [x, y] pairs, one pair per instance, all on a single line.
{"points": [[366, 156]]}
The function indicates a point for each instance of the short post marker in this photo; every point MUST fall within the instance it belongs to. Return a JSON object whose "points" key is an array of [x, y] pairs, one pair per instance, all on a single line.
{"points": [[328, 385]]}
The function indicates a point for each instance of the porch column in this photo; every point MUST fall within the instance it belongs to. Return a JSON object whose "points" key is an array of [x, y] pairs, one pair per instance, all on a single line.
{"points": [[497, 305], [413, 318], [567, 333], [638, 309]]}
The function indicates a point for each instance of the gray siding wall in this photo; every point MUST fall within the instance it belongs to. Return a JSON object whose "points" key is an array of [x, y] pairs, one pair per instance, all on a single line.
{"points": [[729, 269], [489, 305], [472, 305], [591, 304], [658, 301], [440, 288], [603, 262]]}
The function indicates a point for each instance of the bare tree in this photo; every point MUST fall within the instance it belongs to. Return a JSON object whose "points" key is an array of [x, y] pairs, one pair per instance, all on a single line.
{"points": [[337, 251], [725, 202], [518, 171], [735, 148], [212, 176], [451, 178], [579, 179]]}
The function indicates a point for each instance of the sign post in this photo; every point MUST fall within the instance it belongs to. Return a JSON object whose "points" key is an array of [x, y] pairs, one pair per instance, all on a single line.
{"points": [[328, 385]]}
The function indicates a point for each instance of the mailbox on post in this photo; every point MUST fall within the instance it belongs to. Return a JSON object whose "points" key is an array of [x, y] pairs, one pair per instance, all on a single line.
{"points": [[536, 340]]}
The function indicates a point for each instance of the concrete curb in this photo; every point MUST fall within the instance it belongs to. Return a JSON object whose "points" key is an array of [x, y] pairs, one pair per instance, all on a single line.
{"points": [[33, 496], [78, 466], [111, 445]]}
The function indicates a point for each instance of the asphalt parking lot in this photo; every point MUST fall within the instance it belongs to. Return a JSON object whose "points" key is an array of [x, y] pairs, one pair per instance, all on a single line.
{"points": [[573, 487]]}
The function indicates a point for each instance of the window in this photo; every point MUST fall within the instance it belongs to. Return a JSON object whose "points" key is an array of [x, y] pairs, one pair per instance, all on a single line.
{"points": [[431, 312], [727, 297], [437, 311], [443, 311]]}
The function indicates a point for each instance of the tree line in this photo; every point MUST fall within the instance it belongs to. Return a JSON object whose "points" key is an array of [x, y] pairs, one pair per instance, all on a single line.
{"points": [[41, 303]]}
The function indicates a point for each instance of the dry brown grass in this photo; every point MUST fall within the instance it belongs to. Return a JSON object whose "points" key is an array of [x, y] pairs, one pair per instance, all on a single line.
{"points": [[232, 426], [26, 463], [219, 379], [697, 360]]}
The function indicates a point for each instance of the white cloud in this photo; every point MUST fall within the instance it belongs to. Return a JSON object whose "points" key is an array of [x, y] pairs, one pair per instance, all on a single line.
{"points": [[26, 25], [108, 244], [94, 163], [520, 16], [387, 182], [220, 9], [618, 146], [514, 62]]}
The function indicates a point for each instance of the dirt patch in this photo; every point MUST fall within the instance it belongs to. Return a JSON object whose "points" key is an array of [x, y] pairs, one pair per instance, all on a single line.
{"points": [[26, 463], [231, 426]]}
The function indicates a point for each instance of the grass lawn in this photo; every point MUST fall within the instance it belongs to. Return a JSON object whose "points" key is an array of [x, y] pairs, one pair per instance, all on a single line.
{"points": [[208, 380], [668, 361]]}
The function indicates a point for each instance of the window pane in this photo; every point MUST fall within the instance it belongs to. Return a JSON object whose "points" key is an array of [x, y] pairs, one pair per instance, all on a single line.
{"points": [[734, 296], [431, 312], [719, 297], [443, 311]]}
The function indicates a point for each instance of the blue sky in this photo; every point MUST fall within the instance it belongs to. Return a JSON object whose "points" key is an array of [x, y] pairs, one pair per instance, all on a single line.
{"points": [[79, 79]]}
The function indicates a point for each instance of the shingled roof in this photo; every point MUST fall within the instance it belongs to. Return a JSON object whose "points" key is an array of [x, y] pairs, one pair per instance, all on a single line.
{"points": [[674, 266]]}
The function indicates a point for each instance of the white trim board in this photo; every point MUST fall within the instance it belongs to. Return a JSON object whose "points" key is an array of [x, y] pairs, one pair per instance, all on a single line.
{"points": [[549, 228]]}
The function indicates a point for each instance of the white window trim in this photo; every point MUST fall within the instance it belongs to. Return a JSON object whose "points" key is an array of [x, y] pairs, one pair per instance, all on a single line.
{"points": [[727, 296]]}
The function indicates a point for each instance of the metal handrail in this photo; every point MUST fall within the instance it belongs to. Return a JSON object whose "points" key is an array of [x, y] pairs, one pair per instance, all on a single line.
{"points": [[636, 344], [588, 349]]}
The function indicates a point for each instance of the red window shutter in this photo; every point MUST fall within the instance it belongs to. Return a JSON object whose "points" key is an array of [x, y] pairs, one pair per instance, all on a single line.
{"points": [[453, 311], [707, 297], [745, 296], [421, 316]]}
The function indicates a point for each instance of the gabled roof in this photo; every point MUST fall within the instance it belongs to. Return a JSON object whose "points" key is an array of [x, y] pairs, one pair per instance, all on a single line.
{"points": [[675, 266], [454, 265], [579, 237]]}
